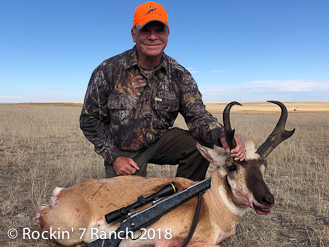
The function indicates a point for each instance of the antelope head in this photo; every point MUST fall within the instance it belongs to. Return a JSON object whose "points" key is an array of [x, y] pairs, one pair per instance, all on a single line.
{"points": [[244, 180]]}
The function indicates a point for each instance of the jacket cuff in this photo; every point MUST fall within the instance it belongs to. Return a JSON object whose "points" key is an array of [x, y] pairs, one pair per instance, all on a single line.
{"points": [[108, 155]]}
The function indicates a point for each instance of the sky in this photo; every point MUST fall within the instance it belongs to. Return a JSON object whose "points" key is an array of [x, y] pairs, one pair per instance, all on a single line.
{"points": [[236, 50]]}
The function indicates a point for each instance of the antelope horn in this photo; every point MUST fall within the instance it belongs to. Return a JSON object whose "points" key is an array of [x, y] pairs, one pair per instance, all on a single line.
{"points": [[229, 133], [278, 135]]}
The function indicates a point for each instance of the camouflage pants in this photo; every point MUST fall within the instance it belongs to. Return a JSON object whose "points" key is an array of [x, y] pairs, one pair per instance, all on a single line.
{"points": [[176, 146]]}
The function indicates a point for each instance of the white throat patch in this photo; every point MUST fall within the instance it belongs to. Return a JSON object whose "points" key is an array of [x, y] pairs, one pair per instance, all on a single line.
{"points": [[230, 205]]}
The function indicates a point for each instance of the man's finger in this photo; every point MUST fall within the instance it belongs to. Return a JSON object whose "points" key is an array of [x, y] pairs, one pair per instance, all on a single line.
{"points": [[225, 146], [239, 157], [134, 165]]}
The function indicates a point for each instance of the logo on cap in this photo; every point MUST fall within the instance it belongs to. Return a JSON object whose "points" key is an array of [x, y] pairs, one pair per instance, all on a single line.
{"points": [[152, 8]]}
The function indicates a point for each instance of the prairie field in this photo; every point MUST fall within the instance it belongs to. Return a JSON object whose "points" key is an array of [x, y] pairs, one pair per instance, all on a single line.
{"points": [[42, 147]]}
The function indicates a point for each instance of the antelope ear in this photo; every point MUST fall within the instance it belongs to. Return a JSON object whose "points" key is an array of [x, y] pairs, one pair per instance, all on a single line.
{"points": [[250, 149], [214, 156], [221, 151], [249, 145]]}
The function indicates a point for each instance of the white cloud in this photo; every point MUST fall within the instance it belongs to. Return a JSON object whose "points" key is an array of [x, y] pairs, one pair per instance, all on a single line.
{"points": [[290, 85], [289, 90], [10, 97], [192, 70]]}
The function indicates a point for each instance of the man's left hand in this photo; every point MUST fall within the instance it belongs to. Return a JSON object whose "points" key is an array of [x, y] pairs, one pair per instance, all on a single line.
{"points": [[239, 153]]}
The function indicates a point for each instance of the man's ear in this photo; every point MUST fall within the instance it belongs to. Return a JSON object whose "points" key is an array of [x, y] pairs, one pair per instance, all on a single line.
{"points": [[133, 35]]}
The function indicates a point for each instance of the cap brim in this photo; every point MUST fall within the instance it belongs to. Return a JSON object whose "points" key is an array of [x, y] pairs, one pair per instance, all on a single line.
{"points": [[141, 26]]}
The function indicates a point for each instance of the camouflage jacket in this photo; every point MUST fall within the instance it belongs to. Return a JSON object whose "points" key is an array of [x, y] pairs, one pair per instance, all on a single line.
{"points": [[125, 110]]}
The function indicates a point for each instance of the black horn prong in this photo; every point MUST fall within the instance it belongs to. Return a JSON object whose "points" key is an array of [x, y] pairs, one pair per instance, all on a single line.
{"points": [[278, 135], [229, 133]]}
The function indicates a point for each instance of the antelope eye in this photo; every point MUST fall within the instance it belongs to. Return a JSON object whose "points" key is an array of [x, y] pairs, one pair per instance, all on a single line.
{"points": [[231, 168]]}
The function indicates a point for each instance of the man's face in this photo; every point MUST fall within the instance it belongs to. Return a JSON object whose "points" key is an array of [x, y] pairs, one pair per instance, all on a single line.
{"points": [[151, 40]]}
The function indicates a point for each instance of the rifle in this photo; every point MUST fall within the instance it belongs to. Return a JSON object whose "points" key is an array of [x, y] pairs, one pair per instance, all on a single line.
{"points": [[151, 214]]}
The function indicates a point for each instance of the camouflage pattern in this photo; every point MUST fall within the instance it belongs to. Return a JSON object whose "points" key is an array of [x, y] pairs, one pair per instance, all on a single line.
{"points": [[126, 110]]}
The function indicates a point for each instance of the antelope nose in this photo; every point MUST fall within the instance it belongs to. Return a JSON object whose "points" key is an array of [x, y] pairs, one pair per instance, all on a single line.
{"points": [[268, 199]]}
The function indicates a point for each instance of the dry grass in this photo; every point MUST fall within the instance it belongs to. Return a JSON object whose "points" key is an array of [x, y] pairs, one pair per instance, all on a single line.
{"points": [[41, 147]]}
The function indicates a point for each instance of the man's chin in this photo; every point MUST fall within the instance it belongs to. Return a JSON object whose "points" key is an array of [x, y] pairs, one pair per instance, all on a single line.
{"points": [[153, 51]]}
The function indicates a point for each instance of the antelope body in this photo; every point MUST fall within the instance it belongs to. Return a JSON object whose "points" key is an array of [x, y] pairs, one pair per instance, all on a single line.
{"points": [[235, 187]]}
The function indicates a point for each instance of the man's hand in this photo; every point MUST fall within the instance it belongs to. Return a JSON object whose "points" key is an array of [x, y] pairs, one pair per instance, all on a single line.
{"points": [[124, 166], [239, 153]]}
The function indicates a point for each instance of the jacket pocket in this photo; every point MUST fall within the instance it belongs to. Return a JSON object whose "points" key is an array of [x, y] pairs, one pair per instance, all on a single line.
{"points": [[166, 111], [122, 108], [165, 104]]}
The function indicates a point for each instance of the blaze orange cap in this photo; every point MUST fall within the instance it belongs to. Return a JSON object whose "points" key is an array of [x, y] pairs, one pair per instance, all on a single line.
{"points": [[148, 12]]}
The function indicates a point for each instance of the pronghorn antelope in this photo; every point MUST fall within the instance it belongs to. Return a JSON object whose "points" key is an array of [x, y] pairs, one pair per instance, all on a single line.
{"points": [[235, 187]]}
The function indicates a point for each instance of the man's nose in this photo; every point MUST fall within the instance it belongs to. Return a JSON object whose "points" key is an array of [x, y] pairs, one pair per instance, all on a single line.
{"points": [[153, 35]]}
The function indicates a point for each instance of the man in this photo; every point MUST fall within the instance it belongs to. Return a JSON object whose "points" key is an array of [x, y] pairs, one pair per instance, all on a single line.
{"points": [[133, 99]]}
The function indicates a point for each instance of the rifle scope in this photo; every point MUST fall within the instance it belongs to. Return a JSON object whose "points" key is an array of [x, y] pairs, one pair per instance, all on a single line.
{"points": [[167, 190]]}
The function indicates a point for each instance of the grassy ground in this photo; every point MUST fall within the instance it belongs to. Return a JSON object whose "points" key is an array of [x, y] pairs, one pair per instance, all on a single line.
{"points": [[41, 147]]}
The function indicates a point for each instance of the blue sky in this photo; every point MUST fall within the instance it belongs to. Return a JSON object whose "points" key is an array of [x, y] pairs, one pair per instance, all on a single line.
{"points": [[247, 50]]}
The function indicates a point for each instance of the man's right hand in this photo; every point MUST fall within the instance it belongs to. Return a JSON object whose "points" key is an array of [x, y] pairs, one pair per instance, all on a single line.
{"points": [[124, 166]]}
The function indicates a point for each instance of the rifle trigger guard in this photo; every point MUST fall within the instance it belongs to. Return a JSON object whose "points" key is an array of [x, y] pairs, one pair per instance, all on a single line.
{"points": [[132, 235]]}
